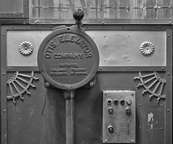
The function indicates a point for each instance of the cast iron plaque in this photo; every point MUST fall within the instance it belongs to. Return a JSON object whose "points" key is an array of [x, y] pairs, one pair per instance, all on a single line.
{"points": [[68, 58]]}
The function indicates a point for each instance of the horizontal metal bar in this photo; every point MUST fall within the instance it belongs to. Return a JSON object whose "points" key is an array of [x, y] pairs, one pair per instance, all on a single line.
{"points": [[101, 68], [108, 7], [131, 68], [38, 20]]}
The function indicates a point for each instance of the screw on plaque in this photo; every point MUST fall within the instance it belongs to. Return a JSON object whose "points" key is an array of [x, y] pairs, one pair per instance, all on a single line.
{"points": [[78, 16]]}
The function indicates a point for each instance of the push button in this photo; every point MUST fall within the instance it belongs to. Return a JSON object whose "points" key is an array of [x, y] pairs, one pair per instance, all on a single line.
{"points": [[110, 110], [109, 101], [122, 102], [129, 101], [116, 102], [128, 111], [110, 129]]}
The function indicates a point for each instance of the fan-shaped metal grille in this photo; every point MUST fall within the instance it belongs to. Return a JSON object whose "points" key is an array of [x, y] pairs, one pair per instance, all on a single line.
{"points": [[19, 85], [152, 84]]}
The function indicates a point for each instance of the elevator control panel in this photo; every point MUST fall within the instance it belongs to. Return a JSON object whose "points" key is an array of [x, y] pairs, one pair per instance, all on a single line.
{"points": [[119, 116]]}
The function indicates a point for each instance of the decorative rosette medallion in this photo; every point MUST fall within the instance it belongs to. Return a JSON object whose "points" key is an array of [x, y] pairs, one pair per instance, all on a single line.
{"points": [[147, 48], [26, 48]]}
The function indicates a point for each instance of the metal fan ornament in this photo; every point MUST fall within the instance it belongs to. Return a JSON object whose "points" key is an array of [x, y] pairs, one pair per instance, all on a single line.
{"points": [[19, 85], [152, 84]]}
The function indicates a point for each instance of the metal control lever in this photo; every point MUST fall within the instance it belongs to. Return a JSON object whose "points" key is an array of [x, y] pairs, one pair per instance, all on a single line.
{"points": [[65, 73], [69, 108]]}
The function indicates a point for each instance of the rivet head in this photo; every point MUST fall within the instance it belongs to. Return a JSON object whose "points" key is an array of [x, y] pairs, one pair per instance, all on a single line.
{"points": [[46, 84]]}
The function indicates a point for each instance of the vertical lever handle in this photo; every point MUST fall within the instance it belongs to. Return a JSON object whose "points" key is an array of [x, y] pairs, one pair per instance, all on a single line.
{"points": [[69, 106]]}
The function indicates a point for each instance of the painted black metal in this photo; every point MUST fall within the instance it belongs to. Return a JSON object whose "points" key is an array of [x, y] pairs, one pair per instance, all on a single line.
{"points": [[37, 121], [102, 68], [169, 75], [3, 100]]}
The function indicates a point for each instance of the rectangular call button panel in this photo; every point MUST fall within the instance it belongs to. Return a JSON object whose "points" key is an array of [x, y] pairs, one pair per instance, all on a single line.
{"points": [[119, 116]]}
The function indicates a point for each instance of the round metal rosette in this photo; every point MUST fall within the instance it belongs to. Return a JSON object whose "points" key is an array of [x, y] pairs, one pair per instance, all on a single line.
{"points": [[147, 48], [68, 58], [26, 48]]}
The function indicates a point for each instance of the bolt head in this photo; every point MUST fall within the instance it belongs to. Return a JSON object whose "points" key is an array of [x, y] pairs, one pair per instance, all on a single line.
{"points": [[46, 84]]}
